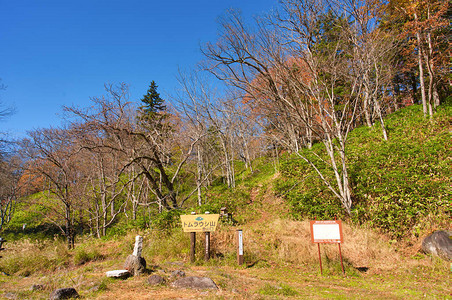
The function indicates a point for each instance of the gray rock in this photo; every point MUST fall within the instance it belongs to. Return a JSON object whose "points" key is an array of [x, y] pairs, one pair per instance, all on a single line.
{"points": [[118, 273], [438, 244], [178, 274], [135, 265], [194, 282], [65, 293], [155, 280]]}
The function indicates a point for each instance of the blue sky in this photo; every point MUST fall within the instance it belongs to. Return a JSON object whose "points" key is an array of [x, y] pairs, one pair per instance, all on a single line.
{"points": [[61, 52]]}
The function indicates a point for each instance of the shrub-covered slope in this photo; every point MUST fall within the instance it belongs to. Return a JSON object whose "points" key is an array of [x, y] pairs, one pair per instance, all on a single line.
{"points": [[401, 186]]}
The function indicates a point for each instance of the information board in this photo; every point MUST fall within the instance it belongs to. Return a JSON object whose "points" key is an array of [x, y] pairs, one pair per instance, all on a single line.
{"points": [[326, 231], [199, 223]]}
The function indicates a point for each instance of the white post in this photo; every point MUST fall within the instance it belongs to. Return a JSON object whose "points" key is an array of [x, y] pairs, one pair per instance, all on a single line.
{"points": [[138, 246]]}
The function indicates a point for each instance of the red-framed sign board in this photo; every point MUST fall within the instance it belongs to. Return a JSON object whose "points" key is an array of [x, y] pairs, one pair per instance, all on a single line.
{"points": [[326, 232]]}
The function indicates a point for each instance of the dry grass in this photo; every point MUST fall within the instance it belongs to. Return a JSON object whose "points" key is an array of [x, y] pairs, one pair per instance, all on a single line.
{"points": [[281, 263]]}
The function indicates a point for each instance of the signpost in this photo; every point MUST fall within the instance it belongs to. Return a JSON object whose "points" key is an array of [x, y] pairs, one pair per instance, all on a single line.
{"points": [[199, 223], [327, 232], [240, 247]]}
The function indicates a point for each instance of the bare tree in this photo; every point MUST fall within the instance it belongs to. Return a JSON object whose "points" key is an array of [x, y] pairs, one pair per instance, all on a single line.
{"points": [[301, 65], [9, 185], [151, 148], [50, 154]]}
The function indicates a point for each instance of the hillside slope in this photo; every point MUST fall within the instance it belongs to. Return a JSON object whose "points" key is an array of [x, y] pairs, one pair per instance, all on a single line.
{"points": [[271, 206]]}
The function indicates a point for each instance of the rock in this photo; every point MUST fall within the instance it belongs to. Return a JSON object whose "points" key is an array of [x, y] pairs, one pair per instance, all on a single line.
{"points": [[194, 282], [118, 274], [439, 244], [135, 265], [138, 246], [65, 293], [177, 274], [155, 280], [37, 287]]}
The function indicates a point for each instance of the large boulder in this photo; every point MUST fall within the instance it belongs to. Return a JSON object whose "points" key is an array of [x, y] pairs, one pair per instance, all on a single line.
{"points": [[65, 293], [136, 265], [438, 244], [193, 282]]}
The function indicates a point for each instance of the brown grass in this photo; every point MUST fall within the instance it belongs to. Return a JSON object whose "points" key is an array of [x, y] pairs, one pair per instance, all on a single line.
{"points": [[279, 257]]}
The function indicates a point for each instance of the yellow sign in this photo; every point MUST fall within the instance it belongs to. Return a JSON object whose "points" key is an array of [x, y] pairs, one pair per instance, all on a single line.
{"points": [[199, 223]]}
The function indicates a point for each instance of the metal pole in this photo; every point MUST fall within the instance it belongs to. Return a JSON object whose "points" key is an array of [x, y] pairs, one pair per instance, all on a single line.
{"points": [[340, 254], [320, 259]]}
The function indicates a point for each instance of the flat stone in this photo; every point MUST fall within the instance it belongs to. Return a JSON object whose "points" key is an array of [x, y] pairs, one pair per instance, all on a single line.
{"points": [[118, 274], [194, 282]]}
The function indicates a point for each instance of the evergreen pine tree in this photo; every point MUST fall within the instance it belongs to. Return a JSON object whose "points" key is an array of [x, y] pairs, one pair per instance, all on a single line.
{"points": [[153, 103]]}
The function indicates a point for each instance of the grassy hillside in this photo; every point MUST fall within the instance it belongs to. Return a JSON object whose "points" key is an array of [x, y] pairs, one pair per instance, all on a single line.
{"points": [[401, 189], [401, 186]]}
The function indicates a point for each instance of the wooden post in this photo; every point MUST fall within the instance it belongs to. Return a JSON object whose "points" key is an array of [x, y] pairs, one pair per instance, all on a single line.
{"points": [[207, 251], [320, 259], [340, 253], [207, 254], [240, 247], [192, 244]]}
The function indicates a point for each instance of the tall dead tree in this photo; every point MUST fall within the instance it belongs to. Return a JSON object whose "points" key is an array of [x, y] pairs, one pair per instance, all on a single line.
{"points": [[300, 64]]}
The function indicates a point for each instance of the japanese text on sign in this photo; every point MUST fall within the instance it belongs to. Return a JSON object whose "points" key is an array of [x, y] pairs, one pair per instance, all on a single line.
{"points": [[326, 231], [199, 223]]}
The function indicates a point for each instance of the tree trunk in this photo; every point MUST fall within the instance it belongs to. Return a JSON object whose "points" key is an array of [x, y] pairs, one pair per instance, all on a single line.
{"points": [[199, 175], [421, 69], [69, 230]]}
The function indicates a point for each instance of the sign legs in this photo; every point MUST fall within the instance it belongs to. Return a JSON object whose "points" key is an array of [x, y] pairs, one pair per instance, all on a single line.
{"points": [[207, 254], [192, 246], [320, 259], [340, 253]]}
